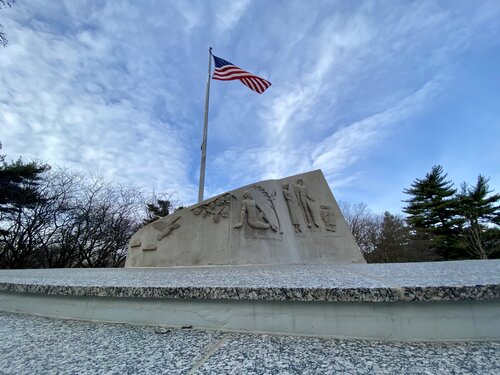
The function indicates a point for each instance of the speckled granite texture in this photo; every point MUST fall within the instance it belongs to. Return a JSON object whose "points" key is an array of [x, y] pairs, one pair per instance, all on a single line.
{"points": [[462, 280], [33, 345]]}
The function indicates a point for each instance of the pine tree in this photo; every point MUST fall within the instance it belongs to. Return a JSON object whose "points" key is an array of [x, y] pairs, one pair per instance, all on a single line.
{"points": [[391, 241], [432, 211], [157, 209], [480, 210], [19, 191], [18, 183]]}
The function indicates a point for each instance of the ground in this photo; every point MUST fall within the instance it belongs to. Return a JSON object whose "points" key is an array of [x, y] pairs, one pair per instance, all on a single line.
{"points": [[36, 345]]}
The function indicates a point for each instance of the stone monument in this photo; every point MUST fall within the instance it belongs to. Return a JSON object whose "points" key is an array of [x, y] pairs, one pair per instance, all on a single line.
{"points": [[294, 220]]}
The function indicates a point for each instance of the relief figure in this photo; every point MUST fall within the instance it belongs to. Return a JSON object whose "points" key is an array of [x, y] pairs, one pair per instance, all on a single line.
{"points": [[292, 208], [166, 227], [270, 198], [328, 218], [255, 216], [305, 203]]}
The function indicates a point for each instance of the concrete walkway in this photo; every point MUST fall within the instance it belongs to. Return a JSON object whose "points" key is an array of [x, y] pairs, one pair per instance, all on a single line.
{"points": [[35, 345]]}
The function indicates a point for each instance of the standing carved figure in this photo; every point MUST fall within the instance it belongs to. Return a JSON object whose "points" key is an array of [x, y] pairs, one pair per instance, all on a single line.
{"points": [[292, 207], [305, 203], [255, 216]]}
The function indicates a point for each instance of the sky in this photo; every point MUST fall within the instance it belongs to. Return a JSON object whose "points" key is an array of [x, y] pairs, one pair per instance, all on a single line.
{"points": [[373, 93]]}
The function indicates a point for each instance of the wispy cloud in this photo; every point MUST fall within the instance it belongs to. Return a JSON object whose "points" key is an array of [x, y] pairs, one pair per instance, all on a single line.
{"points": [[228, 13], [73, 99], [118, 86], [344, 147]]}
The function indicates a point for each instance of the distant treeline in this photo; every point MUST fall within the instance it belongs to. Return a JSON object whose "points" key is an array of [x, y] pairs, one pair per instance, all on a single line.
{"points": [[442, 223], [51, 217]]}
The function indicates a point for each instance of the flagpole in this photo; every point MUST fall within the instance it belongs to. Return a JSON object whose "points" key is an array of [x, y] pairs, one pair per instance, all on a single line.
{"points": [[205, 131]]}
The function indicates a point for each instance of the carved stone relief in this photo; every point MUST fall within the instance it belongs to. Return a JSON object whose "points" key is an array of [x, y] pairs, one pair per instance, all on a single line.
{"points": [[166, 227], [270, 198], [304, 202], [293, 209], [217, 208], [149, 247], [253, 215], [136, 243], [328, 218]]}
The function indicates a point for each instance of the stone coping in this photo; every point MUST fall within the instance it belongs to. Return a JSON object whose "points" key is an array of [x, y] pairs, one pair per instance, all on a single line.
{"points": [[405, 282]]}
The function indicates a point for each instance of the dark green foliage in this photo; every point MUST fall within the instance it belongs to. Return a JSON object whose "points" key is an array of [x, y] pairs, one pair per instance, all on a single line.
{"points": [[491, 242], [441, 223], [157, 209], [480, 209], [433, 210], [454, 225], [395, 242], [477, 204], [391, 240], [432, 204], [19, 184]]}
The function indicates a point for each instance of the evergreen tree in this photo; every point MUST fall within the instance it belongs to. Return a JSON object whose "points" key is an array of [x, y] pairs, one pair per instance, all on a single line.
{"points": [[157, 209], [19, 191], [480, 210], [391, 241], [19, 182], [432, 211]]}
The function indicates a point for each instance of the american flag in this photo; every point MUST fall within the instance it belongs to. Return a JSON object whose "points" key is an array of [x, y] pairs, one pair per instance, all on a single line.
{"points": [[225, 71]]}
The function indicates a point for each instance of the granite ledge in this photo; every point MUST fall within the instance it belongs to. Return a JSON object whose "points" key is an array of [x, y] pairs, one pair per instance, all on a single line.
{"points": [[390, 294], [451, 293], [214, 293], [410, 282]]}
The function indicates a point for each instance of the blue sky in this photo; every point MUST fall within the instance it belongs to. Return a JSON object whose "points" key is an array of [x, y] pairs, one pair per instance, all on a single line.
{"points": [[372, 92]]}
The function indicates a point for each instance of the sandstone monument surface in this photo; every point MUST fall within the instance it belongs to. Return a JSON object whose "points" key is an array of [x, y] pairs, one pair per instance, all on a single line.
{"points": [[294, 220]]}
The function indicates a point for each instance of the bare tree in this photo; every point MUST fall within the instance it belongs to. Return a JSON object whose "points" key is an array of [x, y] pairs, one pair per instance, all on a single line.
{"points": [[386, 238], [79, 222], [101, 222], [364, 224]]}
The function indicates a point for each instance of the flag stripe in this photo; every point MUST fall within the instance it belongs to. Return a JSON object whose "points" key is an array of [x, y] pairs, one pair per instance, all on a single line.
{"points": [[261, 86], [225, 71], [230, 75], [248, 83], [258, 87]]}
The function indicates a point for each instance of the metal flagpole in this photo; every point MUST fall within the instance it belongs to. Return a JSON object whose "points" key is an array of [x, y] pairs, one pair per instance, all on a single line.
{"points": [[205, 130]]}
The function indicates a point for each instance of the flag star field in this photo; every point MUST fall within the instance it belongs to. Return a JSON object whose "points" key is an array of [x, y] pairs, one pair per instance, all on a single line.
{"points": [[373, 93]]}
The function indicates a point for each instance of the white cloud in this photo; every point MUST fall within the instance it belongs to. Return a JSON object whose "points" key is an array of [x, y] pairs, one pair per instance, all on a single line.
{"points": [[118, 86], [67, 103], [333, 155], [228, 13], [347, 145]]}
